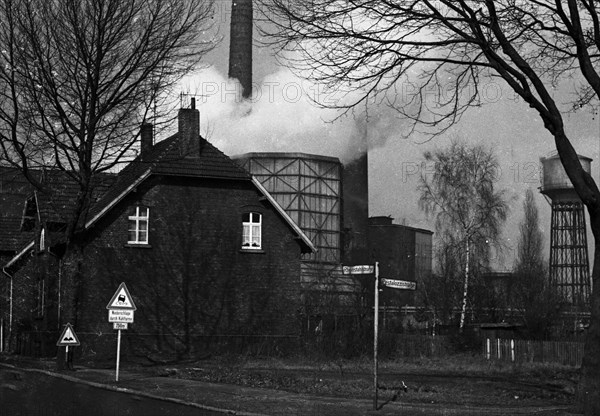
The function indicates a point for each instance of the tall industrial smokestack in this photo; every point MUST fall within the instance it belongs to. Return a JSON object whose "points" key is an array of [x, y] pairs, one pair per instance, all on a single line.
{"points": [[240, 45], [355, 191]]}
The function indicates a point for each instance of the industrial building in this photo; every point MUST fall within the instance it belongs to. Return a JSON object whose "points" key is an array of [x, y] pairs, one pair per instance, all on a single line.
{"points": [[403, 253], [329, 202]]}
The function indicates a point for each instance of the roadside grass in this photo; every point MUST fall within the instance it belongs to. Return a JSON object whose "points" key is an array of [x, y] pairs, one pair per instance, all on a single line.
{"points": [[458, 379], [453, 379], [455, 364]]}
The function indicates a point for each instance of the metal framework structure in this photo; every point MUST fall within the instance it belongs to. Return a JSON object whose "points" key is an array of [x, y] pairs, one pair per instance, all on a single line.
{"points": [[309, 189], [569, 263]]}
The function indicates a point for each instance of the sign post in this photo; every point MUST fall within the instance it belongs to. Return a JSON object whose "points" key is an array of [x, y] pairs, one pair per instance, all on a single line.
{"points": [[120, 313], [375, 334], [118, 355], [66, 339], [369, 269], [394, 284]]}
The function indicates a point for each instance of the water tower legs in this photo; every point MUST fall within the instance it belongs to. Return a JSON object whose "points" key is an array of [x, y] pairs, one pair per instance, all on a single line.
{"points": [[569, 264]]}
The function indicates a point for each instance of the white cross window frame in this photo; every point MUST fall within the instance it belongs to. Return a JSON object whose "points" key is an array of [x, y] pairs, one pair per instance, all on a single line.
{"points": [[252, 231], [139, 226]]}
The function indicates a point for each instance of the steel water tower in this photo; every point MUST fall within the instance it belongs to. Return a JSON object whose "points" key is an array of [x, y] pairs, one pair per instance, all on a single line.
{"points": [[569, 263]]}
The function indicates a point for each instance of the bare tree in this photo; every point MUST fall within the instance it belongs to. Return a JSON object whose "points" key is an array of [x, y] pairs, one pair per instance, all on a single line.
{"points": [[77, 78], [460, 194], [452, 46], [539, 301], [440, 291]]}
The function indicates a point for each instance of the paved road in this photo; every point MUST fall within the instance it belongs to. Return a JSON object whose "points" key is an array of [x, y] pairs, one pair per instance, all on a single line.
{"points": [[36, 394]]}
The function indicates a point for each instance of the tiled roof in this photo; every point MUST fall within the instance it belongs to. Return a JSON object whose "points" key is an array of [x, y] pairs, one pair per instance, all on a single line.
{"points": [[58, 205], [55, 206], [12, 181], [200, 160], [14, 190], [11, 236]]}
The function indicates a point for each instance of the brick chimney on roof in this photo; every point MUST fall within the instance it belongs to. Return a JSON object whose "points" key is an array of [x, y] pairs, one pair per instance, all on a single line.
{"points": [[189, 127], [146, 139]]}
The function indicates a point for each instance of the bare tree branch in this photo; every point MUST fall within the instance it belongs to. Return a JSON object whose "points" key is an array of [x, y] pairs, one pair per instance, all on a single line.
{"points": [[78, 77]]}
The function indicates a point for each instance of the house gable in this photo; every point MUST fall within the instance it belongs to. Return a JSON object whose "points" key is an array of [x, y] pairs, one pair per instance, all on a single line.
{"points": [[202, 161]]}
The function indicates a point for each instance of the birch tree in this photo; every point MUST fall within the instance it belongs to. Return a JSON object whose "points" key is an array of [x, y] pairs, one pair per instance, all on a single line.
{"points": [[458, 190]]}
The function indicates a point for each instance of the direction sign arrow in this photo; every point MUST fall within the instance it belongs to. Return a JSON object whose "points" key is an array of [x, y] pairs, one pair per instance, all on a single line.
{"points": [[68, 337], [399, 284]]}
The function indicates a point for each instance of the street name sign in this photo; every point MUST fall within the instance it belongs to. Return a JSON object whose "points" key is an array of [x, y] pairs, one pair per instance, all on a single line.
{"points": [[68, 337], [399, 284], [360, 269], [120, 315]]}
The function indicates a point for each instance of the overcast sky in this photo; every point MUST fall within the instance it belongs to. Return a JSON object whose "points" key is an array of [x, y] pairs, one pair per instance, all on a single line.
{"points": [[282, 118]]}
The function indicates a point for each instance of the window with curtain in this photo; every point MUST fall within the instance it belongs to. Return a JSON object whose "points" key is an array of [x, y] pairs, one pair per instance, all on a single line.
{"points": [[252, 231]]}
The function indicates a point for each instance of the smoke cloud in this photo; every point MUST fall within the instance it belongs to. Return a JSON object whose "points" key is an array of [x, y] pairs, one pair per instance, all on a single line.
{"points": [[282, 116]]}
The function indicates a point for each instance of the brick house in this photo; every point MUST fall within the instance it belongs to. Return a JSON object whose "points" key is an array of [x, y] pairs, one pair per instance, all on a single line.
{"points": [[204, 249]]}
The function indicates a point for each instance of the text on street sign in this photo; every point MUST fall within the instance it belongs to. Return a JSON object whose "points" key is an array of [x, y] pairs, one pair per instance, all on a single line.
{"points": [[120, 315], [360, 269], [399, 284]]}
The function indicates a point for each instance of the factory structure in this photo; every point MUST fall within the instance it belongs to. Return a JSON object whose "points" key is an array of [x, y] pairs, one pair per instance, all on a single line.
{"points": [[329, 202]]}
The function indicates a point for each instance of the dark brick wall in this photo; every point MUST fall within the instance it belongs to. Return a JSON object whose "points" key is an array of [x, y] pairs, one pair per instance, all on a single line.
{"points": [[193, 279], [35, 279]]}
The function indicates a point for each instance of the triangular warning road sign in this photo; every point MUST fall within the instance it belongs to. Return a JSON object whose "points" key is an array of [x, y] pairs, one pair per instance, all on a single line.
{"points": [[68, 337], [121, 299]]}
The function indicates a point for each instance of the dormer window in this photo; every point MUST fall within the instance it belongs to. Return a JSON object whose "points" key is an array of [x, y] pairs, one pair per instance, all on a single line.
{"points": [[252, 231], [138, 225]]}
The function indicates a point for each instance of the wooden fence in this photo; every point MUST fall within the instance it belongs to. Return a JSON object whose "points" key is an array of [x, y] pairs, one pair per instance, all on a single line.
{"points": [[518, 350]]}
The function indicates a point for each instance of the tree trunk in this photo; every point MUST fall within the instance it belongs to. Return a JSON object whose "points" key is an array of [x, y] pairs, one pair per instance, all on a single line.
{"points": [[463, 311], [588, 390]]}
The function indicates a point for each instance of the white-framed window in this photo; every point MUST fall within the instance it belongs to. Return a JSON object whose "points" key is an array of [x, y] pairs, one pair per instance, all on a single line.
{"points": [[138, 225], [252, 231]]}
